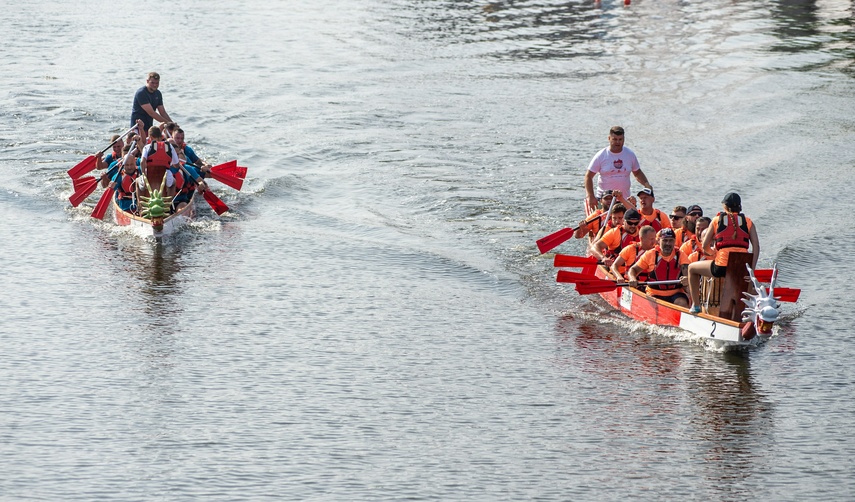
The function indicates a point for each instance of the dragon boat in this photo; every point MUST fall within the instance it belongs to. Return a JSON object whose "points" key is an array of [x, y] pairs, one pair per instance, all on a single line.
{"points": [[153, 216], [736, 309]]}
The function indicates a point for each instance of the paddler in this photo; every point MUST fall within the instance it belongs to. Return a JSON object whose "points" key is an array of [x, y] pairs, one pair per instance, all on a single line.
{"points": [[613, 163], [630, 254], [607, 247], [592, 229], [651, 216], [729, 231], [156, 158], [663, 263]]}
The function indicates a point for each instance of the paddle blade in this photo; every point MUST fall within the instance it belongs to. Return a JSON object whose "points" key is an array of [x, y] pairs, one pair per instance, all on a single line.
{"points": [[787, 294], [552, 240], [565, 260], [226, 167], [231, 169], [576, 277], [227, 179], [82, 182], [84, 166], [216, 204], [763, 274], [83, 192], [594, 287], [103, 203]]}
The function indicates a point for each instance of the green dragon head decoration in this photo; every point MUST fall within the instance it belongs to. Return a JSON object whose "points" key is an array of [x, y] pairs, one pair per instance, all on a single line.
{"points": [[154, 207]]}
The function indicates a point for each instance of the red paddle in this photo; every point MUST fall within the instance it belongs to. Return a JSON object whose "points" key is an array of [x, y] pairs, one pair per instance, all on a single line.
{"points": [[230, 169], [566, 260], [602, 286], [555, 239], [83, 189], [227, 179], [216, 204], [786, 294], [89, 163], [568, 276]]}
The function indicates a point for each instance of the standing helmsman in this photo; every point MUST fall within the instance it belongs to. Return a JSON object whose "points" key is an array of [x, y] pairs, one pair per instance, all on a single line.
{"points": [[613, 163], [148, 103]]}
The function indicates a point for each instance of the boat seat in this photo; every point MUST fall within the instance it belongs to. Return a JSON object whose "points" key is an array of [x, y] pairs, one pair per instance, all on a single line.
{"points": [[734, 283]]}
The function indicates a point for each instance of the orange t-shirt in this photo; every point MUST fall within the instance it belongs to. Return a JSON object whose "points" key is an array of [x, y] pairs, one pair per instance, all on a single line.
{"points": [[629, 256], [612, 238]]}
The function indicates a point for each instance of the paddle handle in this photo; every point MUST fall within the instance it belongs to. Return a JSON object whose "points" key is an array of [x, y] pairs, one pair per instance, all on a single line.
{"points": [[650, 283], [116, 140]]}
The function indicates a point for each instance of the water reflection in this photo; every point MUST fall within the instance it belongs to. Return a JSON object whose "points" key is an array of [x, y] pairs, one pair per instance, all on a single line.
{"points": [[707, 406], [732, 419]]}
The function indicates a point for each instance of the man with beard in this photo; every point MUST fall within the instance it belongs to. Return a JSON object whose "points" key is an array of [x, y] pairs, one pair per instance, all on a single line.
{"points": [[663, 263], [630, 254], [607, 247]]}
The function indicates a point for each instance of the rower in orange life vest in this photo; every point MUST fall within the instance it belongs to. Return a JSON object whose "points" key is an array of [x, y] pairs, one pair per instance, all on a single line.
{"points": [[731, 231], [630, 254], [591, 229], [692, 247], [663, 263], [607, 247], [653, 217], [157, 157]]}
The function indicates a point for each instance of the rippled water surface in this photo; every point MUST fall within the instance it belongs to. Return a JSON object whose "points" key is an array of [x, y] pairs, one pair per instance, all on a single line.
{"points": [[372, 320]]}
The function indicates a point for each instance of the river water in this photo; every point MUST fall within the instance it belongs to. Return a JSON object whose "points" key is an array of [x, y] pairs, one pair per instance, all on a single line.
{"points": [[372, 320]]}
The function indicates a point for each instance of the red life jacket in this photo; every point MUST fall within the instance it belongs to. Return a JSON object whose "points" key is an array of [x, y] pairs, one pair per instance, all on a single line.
{"points": [[125, 189], [656, 224], [730, 233], [665, 270], [158, 160]]}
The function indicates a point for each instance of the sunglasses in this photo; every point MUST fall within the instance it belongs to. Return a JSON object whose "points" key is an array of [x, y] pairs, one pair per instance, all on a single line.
{"points": [[695, 214], [676, 217], [631, 223]]}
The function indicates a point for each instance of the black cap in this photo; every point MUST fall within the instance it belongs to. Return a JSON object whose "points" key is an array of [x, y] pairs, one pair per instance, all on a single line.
{"points": [[632, 214], [648, 191], [695, 209], [732, 200]]}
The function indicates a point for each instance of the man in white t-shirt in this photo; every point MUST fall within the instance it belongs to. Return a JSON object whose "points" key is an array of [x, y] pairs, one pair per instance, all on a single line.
{"points": [[613, 164]]}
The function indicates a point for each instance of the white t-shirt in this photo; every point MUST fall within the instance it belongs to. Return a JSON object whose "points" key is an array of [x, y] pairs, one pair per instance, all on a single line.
{"points": [[614, 169]]}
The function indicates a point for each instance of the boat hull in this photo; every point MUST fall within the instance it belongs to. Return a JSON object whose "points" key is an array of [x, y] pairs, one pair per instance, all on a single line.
{"points": [[642, 307], [147, 227]]}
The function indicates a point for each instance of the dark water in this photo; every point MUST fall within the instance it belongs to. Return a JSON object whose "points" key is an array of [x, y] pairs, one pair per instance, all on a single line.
{"points": [[372, 320]]}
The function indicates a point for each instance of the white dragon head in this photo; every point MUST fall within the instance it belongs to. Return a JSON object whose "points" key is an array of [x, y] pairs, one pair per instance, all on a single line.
{"points": [[762, 307]]}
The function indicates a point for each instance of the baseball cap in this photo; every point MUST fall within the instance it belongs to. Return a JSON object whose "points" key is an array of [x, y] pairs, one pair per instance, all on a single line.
{"points": [[648, 191], [666, 233], [694, 208], [732, 199], [632, 215]]}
